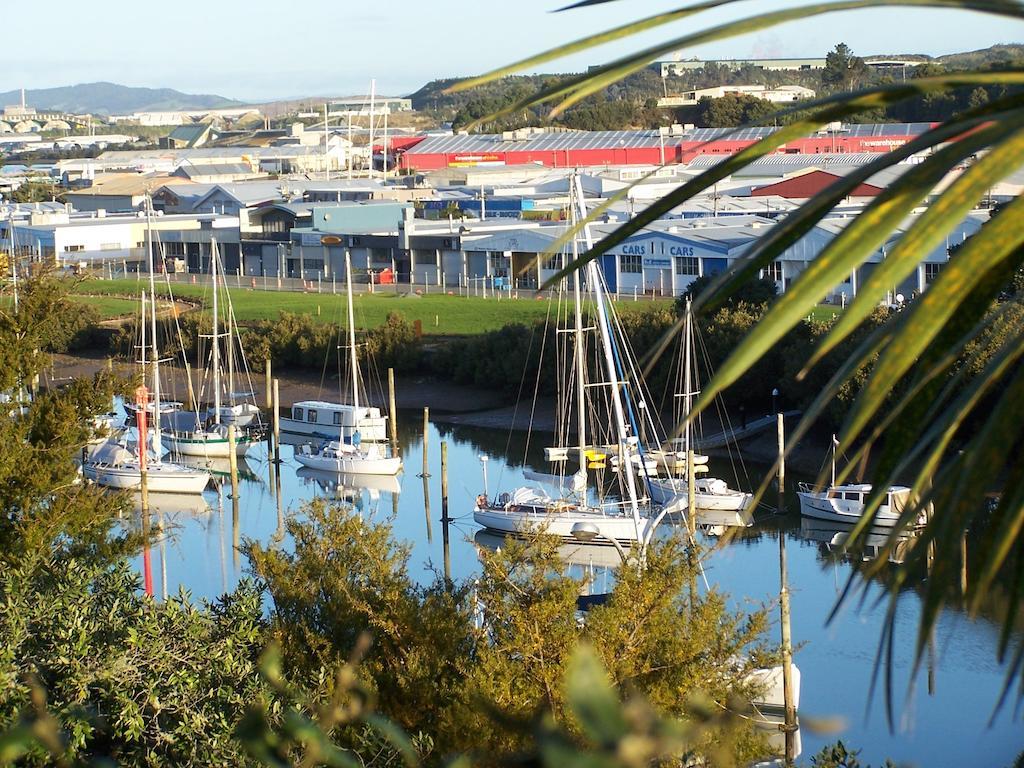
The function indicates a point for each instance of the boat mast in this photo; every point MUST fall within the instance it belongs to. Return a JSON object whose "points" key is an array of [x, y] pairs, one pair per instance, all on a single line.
{"points": [[625, 460], [14, 258], [353, 358], [142, 438], [216, 336], [578, 352], [687, 381], [157, 445]]}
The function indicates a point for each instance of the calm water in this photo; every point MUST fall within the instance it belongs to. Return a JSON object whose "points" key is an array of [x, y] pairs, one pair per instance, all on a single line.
{"points": [[945, 728]]}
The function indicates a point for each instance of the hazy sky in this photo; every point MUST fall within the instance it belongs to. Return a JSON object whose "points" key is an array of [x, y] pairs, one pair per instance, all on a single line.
{"points": [[261, 50]]}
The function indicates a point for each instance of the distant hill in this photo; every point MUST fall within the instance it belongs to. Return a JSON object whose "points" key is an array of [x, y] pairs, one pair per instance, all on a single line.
{"points": [[997, 54], [113, 99]]}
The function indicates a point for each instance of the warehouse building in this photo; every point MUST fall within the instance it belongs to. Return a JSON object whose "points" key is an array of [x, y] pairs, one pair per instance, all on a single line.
{"points": [[677, 144]]}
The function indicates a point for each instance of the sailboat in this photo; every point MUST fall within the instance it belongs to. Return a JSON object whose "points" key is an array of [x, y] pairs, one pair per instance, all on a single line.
{"points": [[187, 435], [114, 466], [561, 505], [353, 457], [710, 493], [846, 502]]}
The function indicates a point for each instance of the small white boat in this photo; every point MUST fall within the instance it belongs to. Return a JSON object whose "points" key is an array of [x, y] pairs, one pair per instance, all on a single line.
{"points": [[318, 418], [349, 459], [239, 414], [845, 503], [114, 466], [131, 409], [359, 454], [527, 510], [712, 494]]}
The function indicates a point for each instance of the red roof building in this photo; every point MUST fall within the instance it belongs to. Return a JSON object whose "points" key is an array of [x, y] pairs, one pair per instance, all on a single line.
{"points": [[809, 184]]}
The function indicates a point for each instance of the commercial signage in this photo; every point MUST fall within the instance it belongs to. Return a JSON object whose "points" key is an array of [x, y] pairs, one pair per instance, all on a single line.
{"points": [[654, 262], [461, 161]]}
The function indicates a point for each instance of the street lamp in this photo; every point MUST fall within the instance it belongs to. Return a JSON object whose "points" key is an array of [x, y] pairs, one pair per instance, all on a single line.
{"points": [[588, 532]]}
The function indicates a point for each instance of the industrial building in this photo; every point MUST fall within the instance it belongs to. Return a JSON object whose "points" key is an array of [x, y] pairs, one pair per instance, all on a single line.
{"points": [[678, 144]]}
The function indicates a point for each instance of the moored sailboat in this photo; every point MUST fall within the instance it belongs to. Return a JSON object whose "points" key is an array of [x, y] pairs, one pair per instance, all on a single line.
{"points": [[352, 457]]}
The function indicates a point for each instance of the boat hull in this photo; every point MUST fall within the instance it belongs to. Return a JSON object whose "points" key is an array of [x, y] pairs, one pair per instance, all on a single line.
{"points": [[160, 478], [817, 505], [561, 524], [670, 492], [205, 446], [351, 465]]}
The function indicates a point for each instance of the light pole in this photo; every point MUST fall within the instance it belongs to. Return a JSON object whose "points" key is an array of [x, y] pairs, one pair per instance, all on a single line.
{"points": [[588, 532]]}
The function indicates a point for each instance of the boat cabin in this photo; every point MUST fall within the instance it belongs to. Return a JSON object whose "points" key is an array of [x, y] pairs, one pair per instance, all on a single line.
{"points": [[318, 417]]}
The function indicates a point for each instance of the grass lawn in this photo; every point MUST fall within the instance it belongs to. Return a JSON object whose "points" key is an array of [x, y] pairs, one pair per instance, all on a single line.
{"points": [[439, 314], [824, 313], [110, 306]]}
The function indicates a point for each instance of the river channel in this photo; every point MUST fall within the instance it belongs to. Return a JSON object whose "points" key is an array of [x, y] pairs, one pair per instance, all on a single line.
{"points": [[942, 720]]}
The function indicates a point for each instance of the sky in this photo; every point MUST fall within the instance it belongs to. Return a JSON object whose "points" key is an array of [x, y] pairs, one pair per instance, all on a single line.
{"points": [[260, 50]]}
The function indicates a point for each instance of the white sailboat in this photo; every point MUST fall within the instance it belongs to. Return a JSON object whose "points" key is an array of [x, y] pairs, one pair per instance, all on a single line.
{"points": [[846, 503], [353, 457], [560, 505], [114, 466], [710, 493], [187, 434]]}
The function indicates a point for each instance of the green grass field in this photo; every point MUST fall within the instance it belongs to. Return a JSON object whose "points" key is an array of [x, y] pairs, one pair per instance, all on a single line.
{"points": [[439, 314]]}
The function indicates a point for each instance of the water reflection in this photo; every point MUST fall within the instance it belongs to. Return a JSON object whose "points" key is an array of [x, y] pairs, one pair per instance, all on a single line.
{"points": [[201, 554]]}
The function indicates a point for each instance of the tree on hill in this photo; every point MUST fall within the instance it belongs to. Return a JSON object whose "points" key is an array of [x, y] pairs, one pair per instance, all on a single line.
{"points": [[732, 110], [843, 71]]}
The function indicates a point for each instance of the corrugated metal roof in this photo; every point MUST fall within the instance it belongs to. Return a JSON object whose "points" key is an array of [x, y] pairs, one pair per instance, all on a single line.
{"points": [[581, 140]]}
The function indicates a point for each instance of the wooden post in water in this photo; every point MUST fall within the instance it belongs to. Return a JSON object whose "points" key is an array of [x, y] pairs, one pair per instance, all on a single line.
{"points": [[233, 460], [444, 512], [426, 441], [392, 412], [277, 422], [269, 383], [781, 430]]}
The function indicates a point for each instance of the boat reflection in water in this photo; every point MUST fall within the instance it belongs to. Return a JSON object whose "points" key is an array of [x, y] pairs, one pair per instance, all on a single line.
{"points": [[570, 553], [172, 504], [873, 543], [349, 486], [220, 468]]}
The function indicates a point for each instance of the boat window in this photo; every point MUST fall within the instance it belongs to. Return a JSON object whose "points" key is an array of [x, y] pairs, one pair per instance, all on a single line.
{"points": [[337, 418], [834, 495], [852, 496], [297, 414], [311, 416]]}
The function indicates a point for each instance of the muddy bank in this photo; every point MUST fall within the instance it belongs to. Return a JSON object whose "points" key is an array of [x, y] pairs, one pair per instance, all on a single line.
{"points": [[448, 403]]}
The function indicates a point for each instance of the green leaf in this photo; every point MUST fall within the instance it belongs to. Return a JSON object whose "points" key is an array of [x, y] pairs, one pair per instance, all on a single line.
{"points": [[929, 230], [592, 699]]}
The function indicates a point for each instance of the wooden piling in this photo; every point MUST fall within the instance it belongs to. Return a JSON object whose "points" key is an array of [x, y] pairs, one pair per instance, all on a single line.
{"points": [[426, 441], [276, 407], [269, 383], [392, 412], [444, 512]]}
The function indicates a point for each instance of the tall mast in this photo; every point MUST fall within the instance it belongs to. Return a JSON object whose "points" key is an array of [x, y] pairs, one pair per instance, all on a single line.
{"points": [[216, 336], [626, 464], [373, 91], [581, 425], [353, 358], [687, 381], [157, 445], [142, 438]]}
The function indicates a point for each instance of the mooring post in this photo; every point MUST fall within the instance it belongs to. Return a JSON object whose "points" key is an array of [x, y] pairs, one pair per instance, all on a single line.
{"points": [[392, 412], [444, 512]]}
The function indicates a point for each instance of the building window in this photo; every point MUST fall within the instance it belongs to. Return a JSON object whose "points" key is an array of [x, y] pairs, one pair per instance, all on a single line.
{"points": [[380, 255], [631, 264], [553, 262], [931, 271], [687, 265], [773, 271], [74, 248]]}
